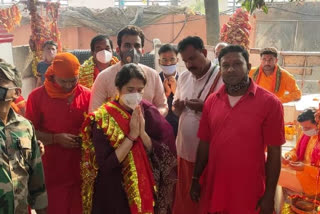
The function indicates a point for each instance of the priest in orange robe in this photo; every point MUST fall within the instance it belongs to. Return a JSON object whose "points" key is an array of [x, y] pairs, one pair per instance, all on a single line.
{"points": [[57, 111], [270, 76]]}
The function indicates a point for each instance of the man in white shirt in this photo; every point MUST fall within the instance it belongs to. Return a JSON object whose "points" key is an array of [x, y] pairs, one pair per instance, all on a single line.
{"points": [[193, 87], [217, 50], [130, 42]]}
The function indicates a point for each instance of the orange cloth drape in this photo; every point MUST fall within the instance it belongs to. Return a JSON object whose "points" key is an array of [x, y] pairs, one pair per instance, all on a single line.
{"points": [[183, 203], [65, 66], [309, 149], [288, 90], [272, 81], [19, 105], [309, 176], [309, 180]]}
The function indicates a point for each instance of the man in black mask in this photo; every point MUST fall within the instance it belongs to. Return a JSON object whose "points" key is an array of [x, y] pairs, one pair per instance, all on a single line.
{"points": [[130, 42], [21, 171]]}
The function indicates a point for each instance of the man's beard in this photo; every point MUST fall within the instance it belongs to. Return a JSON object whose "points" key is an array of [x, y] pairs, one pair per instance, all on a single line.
{"points": [[68, 90], [268, 68], [237, 87]]}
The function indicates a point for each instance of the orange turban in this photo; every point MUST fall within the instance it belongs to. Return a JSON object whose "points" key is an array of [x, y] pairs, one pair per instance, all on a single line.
{"points": [[64, 66]]}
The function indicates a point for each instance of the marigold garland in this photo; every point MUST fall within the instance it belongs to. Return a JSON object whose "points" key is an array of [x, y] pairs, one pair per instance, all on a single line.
{"points": [[89, 167], [237, 30], [86, 74], [43, 30], [10, 17]]}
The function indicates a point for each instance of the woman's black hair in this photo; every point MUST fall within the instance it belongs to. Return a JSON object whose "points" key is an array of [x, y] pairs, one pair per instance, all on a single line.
{"points": [[128, 72]]}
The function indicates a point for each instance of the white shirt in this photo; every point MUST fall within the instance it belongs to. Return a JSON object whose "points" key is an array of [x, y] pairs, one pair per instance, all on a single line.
{"points": [[104, 88], [188, 87]]}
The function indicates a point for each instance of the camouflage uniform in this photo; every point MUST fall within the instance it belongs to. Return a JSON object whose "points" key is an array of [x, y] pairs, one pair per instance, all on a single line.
{"points": [[21, 171]]}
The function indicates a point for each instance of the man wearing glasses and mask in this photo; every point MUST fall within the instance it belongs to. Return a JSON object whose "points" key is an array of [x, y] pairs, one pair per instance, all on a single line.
{"points": [[168, 59], [21, 172], [130, 42]]}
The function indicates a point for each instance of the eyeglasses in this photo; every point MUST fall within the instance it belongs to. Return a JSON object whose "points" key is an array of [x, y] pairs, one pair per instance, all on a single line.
{"points": [[170, 61]]}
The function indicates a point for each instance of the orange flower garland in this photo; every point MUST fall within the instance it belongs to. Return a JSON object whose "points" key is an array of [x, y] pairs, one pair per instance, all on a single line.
{"points": [[237, 30], [43, 30], [10, 17]]}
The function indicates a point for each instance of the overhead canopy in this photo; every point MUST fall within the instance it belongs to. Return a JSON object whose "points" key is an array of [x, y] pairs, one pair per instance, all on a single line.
{"points": [[110, 20]]}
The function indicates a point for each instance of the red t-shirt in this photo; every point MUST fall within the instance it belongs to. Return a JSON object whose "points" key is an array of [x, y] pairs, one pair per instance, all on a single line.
{"points": [[61, 165], [238, 136]]}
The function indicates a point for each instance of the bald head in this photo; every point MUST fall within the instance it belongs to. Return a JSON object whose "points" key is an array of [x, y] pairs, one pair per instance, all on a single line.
{"points": [[218, 48]]}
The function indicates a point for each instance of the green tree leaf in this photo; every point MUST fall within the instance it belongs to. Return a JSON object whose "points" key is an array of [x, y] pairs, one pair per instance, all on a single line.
{"points": [[252, 5], [265, 9]]}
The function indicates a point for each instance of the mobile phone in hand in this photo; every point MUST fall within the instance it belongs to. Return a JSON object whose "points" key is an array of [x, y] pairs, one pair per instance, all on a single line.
{"points": [[78, 139]]}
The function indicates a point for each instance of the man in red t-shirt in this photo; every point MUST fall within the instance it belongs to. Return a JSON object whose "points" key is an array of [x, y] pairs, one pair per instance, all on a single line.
{"points": [[238, 123], [57, 111]]}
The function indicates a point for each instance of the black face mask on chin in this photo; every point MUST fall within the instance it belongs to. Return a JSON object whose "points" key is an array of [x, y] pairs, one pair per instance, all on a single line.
{"points": [[3, 93], [242, 84]]}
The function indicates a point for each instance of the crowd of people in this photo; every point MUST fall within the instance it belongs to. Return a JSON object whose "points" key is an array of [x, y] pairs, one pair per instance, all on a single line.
{"points": [[115, 136]]}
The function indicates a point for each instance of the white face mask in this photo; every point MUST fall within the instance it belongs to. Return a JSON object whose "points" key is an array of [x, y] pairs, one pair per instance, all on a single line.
{"points": [[131, 100], [104, 56], [311, 132], [168, 69]]}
